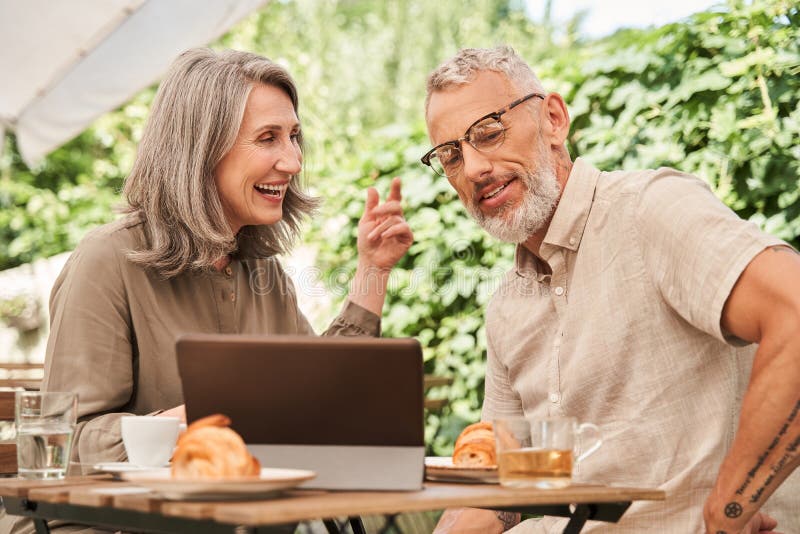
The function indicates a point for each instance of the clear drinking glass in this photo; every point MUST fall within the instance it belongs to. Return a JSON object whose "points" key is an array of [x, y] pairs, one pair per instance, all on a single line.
{"points": [[540, 452], [45, 423]]}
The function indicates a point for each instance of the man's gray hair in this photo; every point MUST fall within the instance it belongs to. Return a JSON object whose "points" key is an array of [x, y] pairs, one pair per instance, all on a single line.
{"points": [[469, 62], [194, 122]]}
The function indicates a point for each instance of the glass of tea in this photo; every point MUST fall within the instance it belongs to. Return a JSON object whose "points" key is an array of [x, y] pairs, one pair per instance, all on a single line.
{"points": [[540, 452]]}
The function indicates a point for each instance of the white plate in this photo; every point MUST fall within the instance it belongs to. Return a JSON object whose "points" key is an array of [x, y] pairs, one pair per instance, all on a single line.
{"points": [[117, 468], [441, 469], [269, 482]]}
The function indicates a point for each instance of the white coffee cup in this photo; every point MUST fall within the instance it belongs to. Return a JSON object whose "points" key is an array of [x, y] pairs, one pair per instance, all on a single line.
{"points": [[149, 441]]}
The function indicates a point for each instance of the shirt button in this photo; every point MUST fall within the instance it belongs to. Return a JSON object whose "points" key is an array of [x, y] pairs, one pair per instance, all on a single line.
{"points": [[233, 296], [559, 291], [554, 397], [572, 240], [228, 271]]}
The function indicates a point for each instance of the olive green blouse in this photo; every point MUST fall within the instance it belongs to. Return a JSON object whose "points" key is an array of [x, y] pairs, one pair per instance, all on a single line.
{"points": [[114, 326]]}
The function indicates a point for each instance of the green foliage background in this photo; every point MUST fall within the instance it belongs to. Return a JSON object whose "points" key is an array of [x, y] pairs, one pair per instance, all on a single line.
{"points": [[716, 95]]}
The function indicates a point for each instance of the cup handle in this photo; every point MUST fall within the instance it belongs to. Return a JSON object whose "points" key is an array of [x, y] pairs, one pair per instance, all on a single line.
{"points": [[590, 432]]}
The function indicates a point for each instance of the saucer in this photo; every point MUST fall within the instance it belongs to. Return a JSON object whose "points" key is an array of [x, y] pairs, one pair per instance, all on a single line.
{"points": [[117, 468], [441, 469], [267, 483]]}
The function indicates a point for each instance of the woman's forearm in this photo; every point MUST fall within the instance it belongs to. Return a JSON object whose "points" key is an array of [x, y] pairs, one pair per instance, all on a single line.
{"points": [[368, 287]]}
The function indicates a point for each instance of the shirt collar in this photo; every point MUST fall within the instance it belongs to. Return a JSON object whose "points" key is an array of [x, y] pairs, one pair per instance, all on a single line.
{"points": [[569, 220]]}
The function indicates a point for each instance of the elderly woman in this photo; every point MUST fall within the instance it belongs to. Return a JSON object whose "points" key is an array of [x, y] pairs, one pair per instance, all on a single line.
{"points": [[213, 197]]}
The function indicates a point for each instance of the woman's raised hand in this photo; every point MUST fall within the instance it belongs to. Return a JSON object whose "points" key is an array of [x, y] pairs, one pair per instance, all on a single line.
{"points": [[383, 233]]}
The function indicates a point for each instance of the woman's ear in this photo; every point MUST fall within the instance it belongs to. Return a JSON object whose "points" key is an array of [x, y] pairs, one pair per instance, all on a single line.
{"points": [[555, 120]]}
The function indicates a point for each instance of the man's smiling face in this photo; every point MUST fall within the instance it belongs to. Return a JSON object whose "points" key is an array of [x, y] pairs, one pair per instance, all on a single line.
{"points": [[511, 191]]}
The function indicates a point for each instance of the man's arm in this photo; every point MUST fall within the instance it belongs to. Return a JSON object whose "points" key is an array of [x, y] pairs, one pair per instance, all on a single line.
{"points": [[763, 307], [475, 521]]}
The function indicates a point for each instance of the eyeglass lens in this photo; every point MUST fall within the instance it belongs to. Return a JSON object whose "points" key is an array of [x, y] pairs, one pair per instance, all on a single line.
{"points": [[484, 136]]}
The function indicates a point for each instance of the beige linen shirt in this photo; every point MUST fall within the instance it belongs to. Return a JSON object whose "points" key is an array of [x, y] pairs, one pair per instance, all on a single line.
{"points": [[621, 328], [114, 326]]}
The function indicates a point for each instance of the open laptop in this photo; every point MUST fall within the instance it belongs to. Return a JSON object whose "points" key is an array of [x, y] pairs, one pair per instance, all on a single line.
{"points": [[350, 409]]}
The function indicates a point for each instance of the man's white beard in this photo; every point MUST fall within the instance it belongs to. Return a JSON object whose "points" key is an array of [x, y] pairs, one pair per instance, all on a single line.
{"points": [[539, 199]]}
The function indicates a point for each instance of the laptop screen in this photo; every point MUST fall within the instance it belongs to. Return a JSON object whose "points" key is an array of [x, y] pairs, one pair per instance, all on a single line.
{"points": [[293, 390]]}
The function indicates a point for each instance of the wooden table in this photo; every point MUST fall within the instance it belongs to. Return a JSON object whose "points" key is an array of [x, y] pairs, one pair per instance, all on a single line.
{"points": [[101, 501]]}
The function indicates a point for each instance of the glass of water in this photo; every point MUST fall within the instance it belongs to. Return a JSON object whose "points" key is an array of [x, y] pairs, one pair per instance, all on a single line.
{"points": [[45, 422]]}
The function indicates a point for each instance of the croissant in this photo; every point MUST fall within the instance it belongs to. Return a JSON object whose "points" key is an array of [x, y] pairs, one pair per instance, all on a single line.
{"points": [[475, 447], [210, 450]]}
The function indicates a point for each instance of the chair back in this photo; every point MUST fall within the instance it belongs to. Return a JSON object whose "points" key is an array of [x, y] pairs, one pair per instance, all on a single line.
{"points": [[13, 377], [8, 448], [21, 375]]}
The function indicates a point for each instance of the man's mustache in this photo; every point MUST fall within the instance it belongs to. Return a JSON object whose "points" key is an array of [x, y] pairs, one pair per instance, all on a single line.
{"points": [[492, 180]]}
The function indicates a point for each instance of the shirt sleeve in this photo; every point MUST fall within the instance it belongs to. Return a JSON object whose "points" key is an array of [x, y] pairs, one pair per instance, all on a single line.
{"points": [[353, 320], [694, 247], [89, 350]]}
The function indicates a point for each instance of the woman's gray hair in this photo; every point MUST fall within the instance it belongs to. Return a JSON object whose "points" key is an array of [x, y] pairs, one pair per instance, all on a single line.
{"points": [[469, 62], [194, 122]]}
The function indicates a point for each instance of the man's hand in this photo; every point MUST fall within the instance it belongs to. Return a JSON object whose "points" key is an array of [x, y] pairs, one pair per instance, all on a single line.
{"points": [[475, 521], [758, 524]]}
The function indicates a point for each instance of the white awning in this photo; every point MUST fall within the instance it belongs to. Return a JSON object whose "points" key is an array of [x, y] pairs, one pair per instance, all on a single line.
{"points": [[64, 63]]}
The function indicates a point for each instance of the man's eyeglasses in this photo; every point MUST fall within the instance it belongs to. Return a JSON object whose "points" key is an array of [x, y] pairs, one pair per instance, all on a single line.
{"points": [[485, 134]]}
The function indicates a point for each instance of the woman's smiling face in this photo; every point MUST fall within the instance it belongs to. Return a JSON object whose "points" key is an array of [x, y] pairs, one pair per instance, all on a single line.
{"points": [[252, 178]]}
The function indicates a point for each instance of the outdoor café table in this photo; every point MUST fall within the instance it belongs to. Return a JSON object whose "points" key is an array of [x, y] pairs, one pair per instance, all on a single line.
{"points": [[101, 501]]}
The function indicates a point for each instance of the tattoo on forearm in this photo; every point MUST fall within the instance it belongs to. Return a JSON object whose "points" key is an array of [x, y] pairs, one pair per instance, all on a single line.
{"points": [[762, 457], [733, 509], [509, 519], [791, 452]]}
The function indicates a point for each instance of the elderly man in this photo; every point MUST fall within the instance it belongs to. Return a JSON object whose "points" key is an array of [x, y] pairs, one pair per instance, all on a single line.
{"points": [[638, 302]]}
